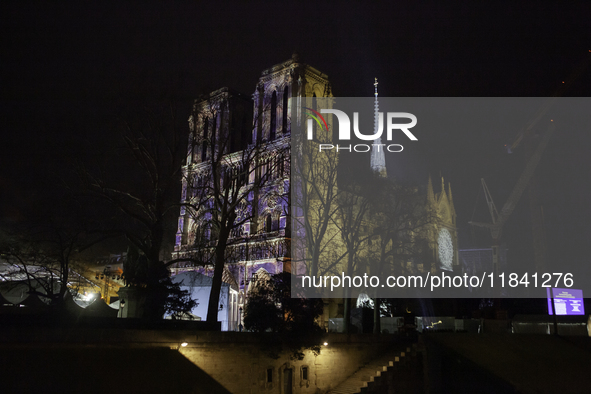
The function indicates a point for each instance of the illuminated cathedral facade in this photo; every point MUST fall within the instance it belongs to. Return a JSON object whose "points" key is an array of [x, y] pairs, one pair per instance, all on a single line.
{"points": [[243, 122], [262, 243]]}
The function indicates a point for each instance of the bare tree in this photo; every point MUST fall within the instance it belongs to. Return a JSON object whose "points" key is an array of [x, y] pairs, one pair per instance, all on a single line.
{"points": [[224, 194], [353, 225], [401, 235], [143, 185], [47, 260], [404, 225], [315, 196], [136, 189]]}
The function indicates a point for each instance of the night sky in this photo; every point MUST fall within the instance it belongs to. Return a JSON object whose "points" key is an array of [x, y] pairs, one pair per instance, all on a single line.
{"points": [[69, 70]]}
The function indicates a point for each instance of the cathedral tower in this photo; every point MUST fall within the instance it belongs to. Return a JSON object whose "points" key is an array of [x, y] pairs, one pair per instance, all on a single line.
{"points": [[225, 127]]}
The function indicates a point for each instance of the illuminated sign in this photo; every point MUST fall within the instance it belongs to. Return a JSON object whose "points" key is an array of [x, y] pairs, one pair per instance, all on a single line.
{"points": [[566, 302]]}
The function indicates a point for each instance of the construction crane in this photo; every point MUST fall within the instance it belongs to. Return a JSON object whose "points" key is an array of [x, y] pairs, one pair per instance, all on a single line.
{"points": [[533, 158], [526, 138], [499, 219]]}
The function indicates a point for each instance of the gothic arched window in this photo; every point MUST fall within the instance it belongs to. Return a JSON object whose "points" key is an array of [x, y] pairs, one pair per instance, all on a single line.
{"points": [[273, 129], [285, 99], [280, 165], [205, 136], [212, 134]]}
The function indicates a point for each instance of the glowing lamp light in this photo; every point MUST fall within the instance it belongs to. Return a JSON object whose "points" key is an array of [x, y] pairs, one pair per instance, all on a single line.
{"points": [[184, 344], [325, 343]]}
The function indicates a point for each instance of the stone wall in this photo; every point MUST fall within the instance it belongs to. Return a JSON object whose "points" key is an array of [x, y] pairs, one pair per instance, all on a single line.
{"points": [[242, 366], [240, 362]]}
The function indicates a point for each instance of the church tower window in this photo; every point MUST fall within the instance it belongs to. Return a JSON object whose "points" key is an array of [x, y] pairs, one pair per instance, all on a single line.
{"points": [[280, 166], [204, 143], [273, 129], [213, 133], [285, 99]]}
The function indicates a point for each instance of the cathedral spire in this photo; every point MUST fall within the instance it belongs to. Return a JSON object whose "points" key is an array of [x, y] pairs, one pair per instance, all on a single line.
{"points": [[430, 194], [451, 201], [378, 159], [449, 192]]}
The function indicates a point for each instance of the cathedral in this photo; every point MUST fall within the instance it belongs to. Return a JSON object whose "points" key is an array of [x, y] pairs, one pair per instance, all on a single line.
{"points": [[250, 137]]}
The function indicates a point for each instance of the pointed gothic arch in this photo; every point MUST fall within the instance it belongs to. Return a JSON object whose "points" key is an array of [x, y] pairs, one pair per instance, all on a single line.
{"points": [[204, 139], [285, 101], [273, 120]]}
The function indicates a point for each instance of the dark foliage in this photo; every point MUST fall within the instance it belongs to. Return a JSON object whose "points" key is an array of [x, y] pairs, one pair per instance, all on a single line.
{"points": [[273, 307], [165, 296]]}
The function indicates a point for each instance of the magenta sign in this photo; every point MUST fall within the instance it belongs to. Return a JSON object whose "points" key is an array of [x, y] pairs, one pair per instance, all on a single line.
{"points": [[566, 301]]}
